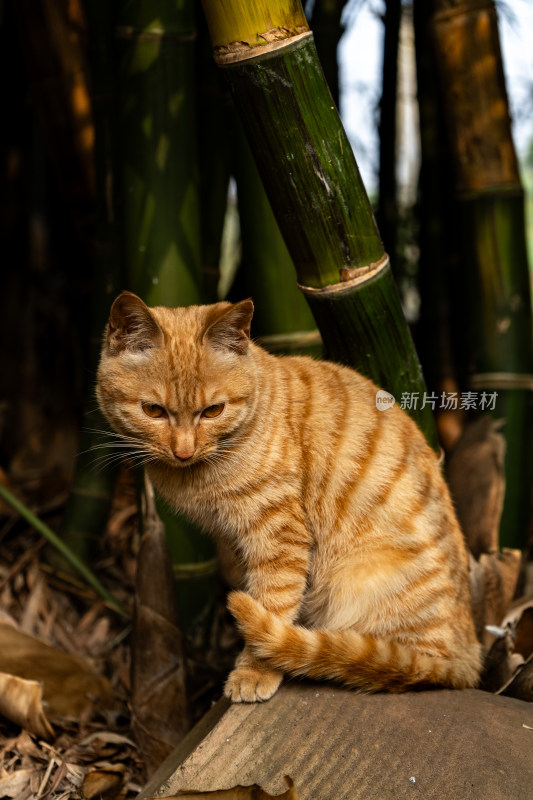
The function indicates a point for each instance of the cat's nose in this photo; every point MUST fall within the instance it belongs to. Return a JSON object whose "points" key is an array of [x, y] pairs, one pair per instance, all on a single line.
{"points": [[182, 444], [183, 454]]}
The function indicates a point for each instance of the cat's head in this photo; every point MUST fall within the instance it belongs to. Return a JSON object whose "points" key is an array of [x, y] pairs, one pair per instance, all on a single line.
{"points": [[177, 383]]}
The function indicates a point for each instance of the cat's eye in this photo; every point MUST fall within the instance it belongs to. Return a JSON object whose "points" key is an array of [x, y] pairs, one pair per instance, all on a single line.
{"points": [[153, 410], [213, 411]]}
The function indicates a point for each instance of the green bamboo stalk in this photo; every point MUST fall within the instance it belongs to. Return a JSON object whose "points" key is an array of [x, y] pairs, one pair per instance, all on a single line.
{"points": [[159, 173], [317, 195], [214, 160], [494, 298], [90, 496], [266, 272], [326, 219], [160, 212], [67, 553], [240, 23]]}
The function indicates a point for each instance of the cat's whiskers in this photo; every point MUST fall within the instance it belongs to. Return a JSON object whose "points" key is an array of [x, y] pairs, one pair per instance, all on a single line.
{"points": [[118, 448], [103, 462], [121, 436]]}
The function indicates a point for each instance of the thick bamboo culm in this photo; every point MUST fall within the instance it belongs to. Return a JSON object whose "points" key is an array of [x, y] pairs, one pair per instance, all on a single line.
{"points": [[266, 271], [495, 295], [159, 174], [316, 192], [159, 193], [213, 161]]}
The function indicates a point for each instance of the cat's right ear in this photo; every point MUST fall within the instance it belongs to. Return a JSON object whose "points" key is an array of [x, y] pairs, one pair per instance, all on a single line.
{"points": [[228, 326], [131, 326]]}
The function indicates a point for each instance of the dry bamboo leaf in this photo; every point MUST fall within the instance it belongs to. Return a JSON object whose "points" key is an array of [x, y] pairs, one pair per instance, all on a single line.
{"points": [[21, 702], [508, 665], [106, 737], [523, 638], [104, 783], [493, 580], [500, 664], [521, 683], [516, 609], [75, 773], [159, 705], [119, 519], [25, 745], [238, 793], [69, 684], [477, 483], [14, 785]]}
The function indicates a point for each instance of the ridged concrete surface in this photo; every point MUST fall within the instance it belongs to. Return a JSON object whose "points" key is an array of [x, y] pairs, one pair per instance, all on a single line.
{"points": [[336, 745]]}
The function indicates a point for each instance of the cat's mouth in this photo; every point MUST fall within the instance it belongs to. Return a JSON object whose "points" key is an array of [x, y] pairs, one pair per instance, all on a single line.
{"points": [[185, 460], [182, 463]]}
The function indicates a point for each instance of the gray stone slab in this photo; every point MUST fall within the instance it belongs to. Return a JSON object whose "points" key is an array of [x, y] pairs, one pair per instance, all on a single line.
{"points": [[336, 745]]}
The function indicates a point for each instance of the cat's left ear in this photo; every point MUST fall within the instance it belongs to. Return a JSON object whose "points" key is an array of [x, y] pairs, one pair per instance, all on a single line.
{"points": [[230, 328], [131, 325]]}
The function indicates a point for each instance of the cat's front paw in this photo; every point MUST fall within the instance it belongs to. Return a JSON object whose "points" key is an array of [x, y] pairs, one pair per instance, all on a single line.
{"points": [[250, 685]]}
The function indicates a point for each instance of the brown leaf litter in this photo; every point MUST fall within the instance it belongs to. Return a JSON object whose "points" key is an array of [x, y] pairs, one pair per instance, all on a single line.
{"points": [[67, 657], [67, 665]]}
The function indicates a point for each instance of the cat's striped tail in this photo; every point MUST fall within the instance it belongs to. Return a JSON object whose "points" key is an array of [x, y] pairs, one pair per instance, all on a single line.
{"points": [[368, 663]]}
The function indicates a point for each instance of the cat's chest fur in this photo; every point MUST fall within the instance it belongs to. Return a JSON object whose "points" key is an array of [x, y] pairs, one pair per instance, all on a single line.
{"points": [[227, 503]]}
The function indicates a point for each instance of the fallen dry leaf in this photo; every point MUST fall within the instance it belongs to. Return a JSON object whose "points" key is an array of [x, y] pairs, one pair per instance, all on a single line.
{"points": [[493, 580], [106, 738], [500, 664], [14, 785], [69, 684], [521, 683], [523, 638], [238, 793], [516, 610], [21, 701], [477, 483], [104, 782], [61, 612], [509, 662]]}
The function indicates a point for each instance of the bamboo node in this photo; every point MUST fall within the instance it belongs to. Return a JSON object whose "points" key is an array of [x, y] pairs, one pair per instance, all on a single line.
{"points": [[501, 380], [349, 274], [268, 42], [196, 570], [349, 278], [276, 342], [154, 34]]}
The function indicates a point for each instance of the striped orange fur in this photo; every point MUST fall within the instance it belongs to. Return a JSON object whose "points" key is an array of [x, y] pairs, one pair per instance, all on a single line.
{"points": [[352, 561]]}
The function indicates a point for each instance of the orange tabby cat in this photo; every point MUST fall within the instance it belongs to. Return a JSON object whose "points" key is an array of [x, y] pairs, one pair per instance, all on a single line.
{"points": [[354, 565]]}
